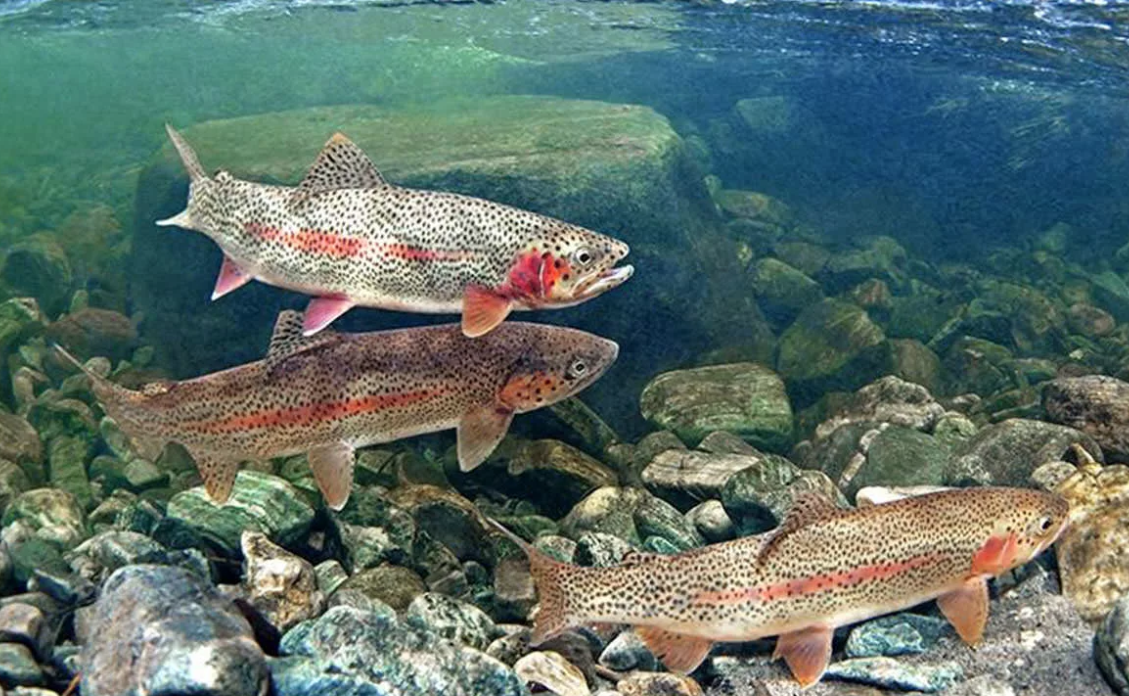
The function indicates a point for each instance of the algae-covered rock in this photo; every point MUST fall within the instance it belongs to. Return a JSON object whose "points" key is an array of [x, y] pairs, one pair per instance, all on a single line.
{"points": [[52, 515], [393, 585], [37, 266], [744, 398], [782, 291], [1006, 453], [1096, 405], [446, 617], [20, 318], [629, 514], [67, 456], [825, 341], [92, 331], [258, 501], [13, 481], [555, 475]]}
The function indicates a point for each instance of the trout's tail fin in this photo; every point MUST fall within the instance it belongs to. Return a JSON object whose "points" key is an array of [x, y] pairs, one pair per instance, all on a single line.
{"points": [[125, 406], [549, 577], [196, 176]]}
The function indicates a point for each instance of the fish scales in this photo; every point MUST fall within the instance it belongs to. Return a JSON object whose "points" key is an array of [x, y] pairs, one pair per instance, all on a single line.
{"points": [[824, 567], [332, 393], [349, 238]]}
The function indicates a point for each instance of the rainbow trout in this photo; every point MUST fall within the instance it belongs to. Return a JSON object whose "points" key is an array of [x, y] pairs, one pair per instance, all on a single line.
{"points": [[822, 568], [349, 238], [328, 394]]}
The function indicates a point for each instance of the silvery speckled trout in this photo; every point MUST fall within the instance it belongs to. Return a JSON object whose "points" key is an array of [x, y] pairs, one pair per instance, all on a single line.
{"points": [[331, 393], [822, 568], [349, 238]]}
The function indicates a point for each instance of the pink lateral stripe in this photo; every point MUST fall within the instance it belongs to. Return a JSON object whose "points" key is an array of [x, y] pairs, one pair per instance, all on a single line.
{"points": [[310, 414], [816, 583], [410, 253], [314, 241]]}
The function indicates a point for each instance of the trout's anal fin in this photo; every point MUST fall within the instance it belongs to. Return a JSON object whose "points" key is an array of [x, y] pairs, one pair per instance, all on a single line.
{"points": [[339, 165], [678, 651], [483, 310], [231, 278], [966, 609], [287, 340], [807, 652], [322, 311], [332, 466], [218, 474], [479, 432]]}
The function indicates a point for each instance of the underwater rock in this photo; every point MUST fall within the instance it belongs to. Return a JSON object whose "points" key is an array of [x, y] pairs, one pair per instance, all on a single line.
{"points": [[66, 459], [1006, 453], [1089, 320], [685, 478], [54, 417], [1093, 553], [555, 476], [900, 634], [20, 443], [551, 672], [392, 585], [258, 501], [887, 673], [976, 365], [280, 586], [657, 684], [1095, 404], [448, 518], [632, 515], [805, 257], [752, 205], [881, 258], [1111, 647], [99, 556], [782, 291], [361, 646], [446, 617], [628, 652], [922, 315], [1111, 291], [27, 625], [92, 331], [37, 266], [18, 666], [824, 345], [888, 400], [711, 521], [758, 497], [373, 530], [13, 481], [52, 515], [20, 319], [164, 630], [887, 455], [913, 361], [744, 398]]}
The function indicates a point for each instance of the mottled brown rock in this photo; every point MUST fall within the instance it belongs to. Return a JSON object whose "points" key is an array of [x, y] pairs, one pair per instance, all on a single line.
{"points": [[92, 331], [1095, 404]]}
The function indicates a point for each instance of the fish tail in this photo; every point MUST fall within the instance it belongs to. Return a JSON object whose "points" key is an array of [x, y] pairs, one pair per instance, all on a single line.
{"points": [[550, 578], [196, 177], [125, 406]]}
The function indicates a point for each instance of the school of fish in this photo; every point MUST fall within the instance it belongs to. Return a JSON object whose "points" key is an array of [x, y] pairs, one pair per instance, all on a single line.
{"points": [[349, 238], [822, 568]]}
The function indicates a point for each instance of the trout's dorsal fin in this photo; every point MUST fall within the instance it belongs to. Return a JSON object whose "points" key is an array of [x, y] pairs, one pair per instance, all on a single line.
{"points": [[287, 340], [339, 165], [809, 507]]}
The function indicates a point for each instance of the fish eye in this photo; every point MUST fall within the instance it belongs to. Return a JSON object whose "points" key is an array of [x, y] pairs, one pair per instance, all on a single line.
{"points": [[582, 256], [578, 368], [1044, 523]]}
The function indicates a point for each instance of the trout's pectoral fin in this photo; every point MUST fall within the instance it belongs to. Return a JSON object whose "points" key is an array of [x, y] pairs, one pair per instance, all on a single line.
{"points": [[332, 466], [218, 473], [997, 555], [807, 652], [480, 430], [322, 311], [966, 609], [231, 278], [678, 651], [483, 309]]}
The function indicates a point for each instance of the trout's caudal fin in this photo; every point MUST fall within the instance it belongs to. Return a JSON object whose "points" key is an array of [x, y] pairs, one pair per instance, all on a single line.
{"points": [[195, 175], [552, 597]]}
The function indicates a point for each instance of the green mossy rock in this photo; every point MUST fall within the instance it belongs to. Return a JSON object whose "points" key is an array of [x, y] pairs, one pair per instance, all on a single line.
{"points": [[37, 266], [259, 501], [53, 515], [745, 399], [782, 291], [67, 456], [900, 456], [393, 585], [825, 342]]}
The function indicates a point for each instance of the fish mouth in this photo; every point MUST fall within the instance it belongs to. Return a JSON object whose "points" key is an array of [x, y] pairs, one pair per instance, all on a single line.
{"points": [[603, 281]]}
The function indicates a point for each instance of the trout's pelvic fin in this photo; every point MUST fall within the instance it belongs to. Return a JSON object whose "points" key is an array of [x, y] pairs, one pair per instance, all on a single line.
{"points": [[678, 651], [483, 310], [322, 311], [231, 278], [479, 432], [288, 340], [339, 165], [967, 609], [807, 653], [218, 473], [332, 466]]}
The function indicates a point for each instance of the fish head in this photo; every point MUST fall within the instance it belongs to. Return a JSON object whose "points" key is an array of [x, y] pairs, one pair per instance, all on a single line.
{"points": [[1024, 524], [567, 265], [557, 363]]}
